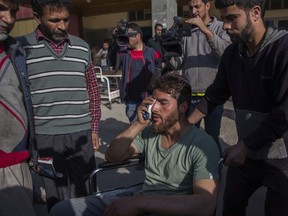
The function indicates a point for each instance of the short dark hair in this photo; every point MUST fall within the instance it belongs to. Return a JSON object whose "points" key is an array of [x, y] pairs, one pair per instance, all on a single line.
{"points": [[174, 85], [135, 27], [204, 1], [39, 5], [246, 5], [157, 25]]}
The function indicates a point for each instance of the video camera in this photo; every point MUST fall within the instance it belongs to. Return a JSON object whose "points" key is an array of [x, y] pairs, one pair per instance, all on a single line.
{"points": [[122, 35], [172, 38]]}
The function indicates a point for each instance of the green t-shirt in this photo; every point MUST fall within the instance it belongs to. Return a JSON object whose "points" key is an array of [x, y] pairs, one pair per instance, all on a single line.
{"points": [[172, 171]]}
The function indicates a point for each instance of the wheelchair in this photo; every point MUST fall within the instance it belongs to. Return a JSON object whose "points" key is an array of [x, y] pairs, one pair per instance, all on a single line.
{"points": [[137, 162]]}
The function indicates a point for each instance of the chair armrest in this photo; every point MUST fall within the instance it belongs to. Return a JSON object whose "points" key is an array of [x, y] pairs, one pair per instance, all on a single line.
{"points": [[137, 160]]}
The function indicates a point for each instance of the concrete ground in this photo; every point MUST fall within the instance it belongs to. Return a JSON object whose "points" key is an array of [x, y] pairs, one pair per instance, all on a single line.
{"points": [[114, 121]]}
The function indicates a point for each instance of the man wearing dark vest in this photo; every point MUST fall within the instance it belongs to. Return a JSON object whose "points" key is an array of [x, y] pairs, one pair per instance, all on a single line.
{"points": [[16, 121], [65, 99]]}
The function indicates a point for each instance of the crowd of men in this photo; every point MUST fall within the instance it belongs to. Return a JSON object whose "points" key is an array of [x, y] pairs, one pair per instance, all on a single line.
{"points": [[50, 107]]}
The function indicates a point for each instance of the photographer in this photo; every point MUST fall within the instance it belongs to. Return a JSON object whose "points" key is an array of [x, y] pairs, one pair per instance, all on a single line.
{"points": [[138, 65], [201, 56]]}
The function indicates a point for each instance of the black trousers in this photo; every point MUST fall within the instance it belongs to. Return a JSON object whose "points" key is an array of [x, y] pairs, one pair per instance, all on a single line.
{"points": [[243, 181], [73, 156]]}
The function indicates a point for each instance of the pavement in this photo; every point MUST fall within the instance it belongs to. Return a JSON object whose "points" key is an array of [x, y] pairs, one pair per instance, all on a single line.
{"points": [[114, 121]]}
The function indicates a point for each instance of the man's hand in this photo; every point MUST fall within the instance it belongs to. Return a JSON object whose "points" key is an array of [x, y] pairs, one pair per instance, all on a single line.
{"points": [[143, 107], [124, 206], [235, 155], [95, 141], [202, 26]]}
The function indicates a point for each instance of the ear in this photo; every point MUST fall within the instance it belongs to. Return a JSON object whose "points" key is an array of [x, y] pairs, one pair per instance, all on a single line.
{"points": [[183, 107], [256, 13], [37, 18], [208, 5]]}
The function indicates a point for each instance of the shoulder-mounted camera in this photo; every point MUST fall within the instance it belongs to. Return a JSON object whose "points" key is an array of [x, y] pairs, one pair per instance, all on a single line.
{"points": [[172, 38]]}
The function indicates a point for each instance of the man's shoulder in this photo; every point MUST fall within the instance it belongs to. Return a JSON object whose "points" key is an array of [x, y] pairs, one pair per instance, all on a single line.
{"points": [[77, 41], [27, 39], [200, 138]]}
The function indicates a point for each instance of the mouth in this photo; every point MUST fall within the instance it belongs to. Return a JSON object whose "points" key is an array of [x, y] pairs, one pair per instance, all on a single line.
{"points": [[155, 117]]}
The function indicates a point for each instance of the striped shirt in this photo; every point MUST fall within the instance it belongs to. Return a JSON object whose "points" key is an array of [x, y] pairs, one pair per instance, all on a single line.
{"points": [[91, 81]]}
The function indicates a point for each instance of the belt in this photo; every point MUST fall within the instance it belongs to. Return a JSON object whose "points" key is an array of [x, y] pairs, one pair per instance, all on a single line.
{"points": [[199, 94]]}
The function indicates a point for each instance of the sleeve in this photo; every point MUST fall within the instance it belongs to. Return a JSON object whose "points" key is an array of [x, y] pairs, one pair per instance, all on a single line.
{"points": [[142, 138], [220, 41], [218, 92], [205, 158], [94, 96]]}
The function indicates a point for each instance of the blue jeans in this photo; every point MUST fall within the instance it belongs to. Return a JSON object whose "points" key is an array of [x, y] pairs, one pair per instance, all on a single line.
{"points": [[131, 111], [212, 121]]}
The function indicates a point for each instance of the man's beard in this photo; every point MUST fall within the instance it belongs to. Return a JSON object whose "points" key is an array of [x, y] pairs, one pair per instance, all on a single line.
{"points": [[245, 34], [166, 123], [56, 37], [5, 32]]}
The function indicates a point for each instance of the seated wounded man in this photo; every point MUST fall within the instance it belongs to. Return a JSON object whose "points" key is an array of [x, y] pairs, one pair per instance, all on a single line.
{"points": [[181, 161]]}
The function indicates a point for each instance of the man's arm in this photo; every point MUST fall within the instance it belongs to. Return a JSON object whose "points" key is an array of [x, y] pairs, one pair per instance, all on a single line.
{"points": [[195, 116], [201, 202], [217, 38], [122, 147], [94, 106]]}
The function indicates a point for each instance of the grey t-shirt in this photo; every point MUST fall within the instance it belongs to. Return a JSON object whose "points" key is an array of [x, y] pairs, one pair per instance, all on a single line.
{"points": [[172, 171]]}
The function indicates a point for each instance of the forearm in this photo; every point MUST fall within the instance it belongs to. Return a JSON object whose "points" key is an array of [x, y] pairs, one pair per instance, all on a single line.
{"points": [[195, 116], [120, 147]]}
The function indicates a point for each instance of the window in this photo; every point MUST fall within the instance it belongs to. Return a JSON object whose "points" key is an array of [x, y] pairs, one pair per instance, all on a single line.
{"points": [[140, 15], [283, 23], [276, 4]]}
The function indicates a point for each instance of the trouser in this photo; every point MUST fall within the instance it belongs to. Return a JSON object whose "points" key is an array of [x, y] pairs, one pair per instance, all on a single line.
{"points": [[73, 156], [243, 181], [16, 191], [131, 111], [91, 205], [212, 122]]}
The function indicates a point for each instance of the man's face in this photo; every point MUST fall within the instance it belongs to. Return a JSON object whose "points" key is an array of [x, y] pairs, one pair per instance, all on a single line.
{"points": [[199, 8], [158, 31], [105, 46], [134, 39], [54, 23], [8, 10], [164, 112], [237, 23]]}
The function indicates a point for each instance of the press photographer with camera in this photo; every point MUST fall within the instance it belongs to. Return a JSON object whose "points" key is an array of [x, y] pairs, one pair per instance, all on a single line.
{"points": [[137, 62], [201, 56]]}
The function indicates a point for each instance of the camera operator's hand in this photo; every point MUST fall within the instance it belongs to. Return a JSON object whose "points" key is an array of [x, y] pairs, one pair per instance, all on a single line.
{"points": [[196, 20]]}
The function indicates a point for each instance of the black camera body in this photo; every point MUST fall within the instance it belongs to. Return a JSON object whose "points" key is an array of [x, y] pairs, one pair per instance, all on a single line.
{"points": [[172, 38], [121, 33]]}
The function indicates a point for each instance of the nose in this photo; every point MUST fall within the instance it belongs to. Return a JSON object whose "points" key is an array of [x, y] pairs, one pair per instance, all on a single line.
{"points": [[155, 107], [194, 10], [61, 25], [226, 25]]}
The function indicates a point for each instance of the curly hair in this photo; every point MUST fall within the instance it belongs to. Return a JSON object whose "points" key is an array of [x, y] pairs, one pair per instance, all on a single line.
{"points": [[174, 85]]}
